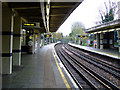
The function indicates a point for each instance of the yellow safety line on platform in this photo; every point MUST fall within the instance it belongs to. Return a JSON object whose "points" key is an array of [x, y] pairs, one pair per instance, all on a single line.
{"points": [[64, 79]]}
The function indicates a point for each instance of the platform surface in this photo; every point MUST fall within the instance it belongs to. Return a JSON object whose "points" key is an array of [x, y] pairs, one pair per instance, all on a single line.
{"points": [[39, 71], [108, 52]]}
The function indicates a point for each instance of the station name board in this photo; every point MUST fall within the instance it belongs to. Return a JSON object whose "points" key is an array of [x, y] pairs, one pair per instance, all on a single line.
{"points": [[31, 25]]}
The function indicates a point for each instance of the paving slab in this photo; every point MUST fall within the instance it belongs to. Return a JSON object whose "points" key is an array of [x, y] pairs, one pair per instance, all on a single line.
{"points": [[38, 70]]}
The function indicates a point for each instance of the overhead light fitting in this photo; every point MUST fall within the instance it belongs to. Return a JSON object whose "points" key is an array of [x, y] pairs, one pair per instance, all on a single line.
{"points": [[111, 30], [48, 1], [27, 31], [94, 32], [48, 11], [105, 31], [24, 30], [118, 29], [100, 32]]}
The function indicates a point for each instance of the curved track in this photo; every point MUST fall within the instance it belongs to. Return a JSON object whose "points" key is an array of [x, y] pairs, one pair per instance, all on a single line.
{"points": [[96, 62], [85, 76]]}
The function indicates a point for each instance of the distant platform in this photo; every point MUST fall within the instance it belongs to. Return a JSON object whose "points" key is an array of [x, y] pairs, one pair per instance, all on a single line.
{"points": [[107, 52]]}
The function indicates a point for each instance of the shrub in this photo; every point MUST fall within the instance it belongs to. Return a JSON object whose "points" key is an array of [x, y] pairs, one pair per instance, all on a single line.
{"points": [[85, 44]]}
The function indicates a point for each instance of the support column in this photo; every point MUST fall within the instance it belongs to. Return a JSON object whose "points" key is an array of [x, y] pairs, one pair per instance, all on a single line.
{"points": [[39, 39], [49, 40], [7, 39], [1, 45], [17, 41], [33, 48], [43, 40], [119, 40], [111, 39], [30, 39], [52, 39], [101, 41], [79, 40], [98, 40]]}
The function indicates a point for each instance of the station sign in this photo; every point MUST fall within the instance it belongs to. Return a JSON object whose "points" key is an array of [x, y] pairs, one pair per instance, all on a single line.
{"points": [[47, 35], [30, 32], [80, 36], [31, 25]]}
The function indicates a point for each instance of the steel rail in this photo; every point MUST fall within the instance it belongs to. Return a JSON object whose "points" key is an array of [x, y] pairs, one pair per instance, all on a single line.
{"points": [[90, 60], [85, 78], [105, 85], [79, 85], [113, 86], [99, 60]]}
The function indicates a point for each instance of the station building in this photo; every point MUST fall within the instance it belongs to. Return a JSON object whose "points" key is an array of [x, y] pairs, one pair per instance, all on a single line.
{"points": [[107, 34]]}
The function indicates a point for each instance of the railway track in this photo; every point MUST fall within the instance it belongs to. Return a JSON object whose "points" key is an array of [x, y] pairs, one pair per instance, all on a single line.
{"points": [[85, 77], [97, 62], [98, 58], [108, 71]]}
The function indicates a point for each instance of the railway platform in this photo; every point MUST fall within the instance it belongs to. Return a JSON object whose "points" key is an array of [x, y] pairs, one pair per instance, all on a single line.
{"points": [[107, 52], [39, 70]]}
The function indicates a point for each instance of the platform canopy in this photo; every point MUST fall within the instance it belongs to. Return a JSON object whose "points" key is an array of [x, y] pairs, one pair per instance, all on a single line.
{"points": [[106, 27], [50, 15]]}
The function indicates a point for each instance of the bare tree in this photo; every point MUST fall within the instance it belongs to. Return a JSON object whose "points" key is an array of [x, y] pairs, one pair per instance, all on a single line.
{"points": [[110, 12]]}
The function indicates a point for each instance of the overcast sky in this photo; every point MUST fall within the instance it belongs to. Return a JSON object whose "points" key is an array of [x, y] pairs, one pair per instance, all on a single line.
{"points": [[87, 13]]}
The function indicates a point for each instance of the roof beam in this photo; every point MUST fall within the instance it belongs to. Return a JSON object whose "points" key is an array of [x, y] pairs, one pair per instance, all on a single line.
{"points": [[68, 6], [26, 8], [54, 15], [43, 14], [37, 17], [29, 14], [23, 19]]}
